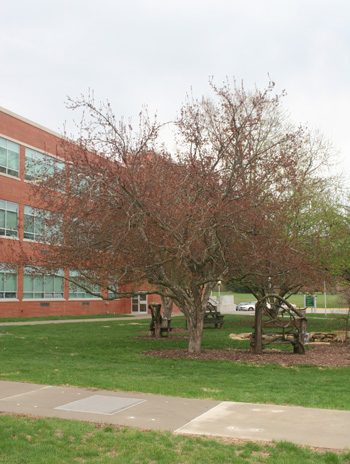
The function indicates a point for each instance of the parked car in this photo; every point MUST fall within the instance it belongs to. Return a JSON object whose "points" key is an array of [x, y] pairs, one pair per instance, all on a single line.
{"points": [[246, 306]]}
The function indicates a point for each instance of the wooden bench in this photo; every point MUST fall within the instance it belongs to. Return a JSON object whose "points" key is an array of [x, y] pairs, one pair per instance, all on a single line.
{"points": [[213, 317], [165, 327], [284, 323], [293, 333], [165, 324]]}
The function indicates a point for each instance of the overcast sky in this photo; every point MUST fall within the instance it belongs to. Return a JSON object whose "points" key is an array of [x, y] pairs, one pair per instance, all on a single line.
{"points": [[137, 52]]}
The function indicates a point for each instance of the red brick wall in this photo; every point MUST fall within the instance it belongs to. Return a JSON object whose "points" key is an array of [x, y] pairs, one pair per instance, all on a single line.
{"points": [[28, 134], [19, 191]]}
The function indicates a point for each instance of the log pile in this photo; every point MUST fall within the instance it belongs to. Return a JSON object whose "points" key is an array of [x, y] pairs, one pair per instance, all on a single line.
{"points": [[327, 337]]}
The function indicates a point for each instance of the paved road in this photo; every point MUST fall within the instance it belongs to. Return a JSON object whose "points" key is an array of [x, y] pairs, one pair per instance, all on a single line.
{"points": [[304, 426]]}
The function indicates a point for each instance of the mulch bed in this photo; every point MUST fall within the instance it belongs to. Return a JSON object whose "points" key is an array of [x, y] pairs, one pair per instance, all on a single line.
{"points": [[173, 336], [330, 355]]}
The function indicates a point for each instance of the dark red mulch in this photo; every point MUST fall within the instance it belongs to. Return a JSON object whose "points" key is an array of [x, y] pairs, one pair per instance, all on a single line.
{"points": [[334, 355], [172, 336]]}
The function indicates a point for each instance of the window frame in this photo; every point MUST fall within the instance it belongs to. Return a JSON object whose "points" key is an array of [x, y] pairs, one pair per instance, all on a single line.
{"points": [[79, 292], [40, 282], [4, 206], [3, 273], [113, 293], [39, 161], [12, 147], [37, 214]]}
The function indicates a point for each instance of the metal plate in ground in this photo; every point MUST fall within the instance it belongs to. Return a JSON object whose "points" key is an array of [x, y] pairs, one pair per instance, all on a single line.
{"points": [[99, 404]]}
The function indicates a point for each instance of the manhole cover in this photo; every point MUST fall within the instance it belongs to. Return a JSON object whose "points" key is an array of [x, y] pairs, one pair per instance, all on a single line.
{"points": [[99, 404]]}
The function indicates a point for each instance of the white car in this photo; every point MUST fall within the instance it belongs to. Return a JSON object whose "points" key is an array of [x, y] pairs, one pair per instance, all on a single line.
{"points": [[246, 306]]}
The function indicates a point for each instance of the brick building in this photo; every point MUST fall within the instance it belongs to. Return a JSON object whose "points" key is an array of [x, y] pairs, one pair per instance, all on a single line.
{"points": [[26, 147]]}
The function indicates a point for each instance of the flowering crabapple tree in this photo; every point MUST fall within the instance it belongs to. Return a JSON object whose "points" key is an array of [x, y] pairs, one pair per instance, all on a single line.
{"points": [[131, 211]]}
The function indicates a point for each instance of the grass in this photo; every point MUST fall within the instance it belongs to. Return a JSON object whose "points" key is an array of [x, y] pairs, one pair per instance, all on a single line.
{"points": [[61, 318], [107, 355], [333, 301], [29, 440]]}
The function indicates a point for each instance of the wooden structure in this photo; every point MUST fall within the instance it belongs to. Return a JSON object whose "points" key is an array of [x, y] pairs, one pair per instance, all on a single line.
{"points": [[278, 322], [159, 325], [213, 317]]}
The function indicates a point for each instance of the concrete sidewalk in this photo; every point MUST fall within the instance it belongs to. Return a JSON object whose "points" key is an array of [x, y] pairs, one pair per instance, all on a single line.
{"points": [[70, 321], [304, 426]]}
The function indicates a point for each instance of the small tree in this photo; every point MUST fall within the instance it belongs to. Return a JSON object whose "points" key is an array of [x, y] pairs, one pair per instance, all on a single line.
{"points": [[133, 212]]}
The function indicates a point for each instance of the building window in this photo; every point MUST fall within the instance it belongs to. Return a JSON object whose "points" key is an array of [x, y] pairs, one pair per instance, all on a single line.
{"points": [[112, 294], [8, 218], [139, 303], [9, 157], [113, 290], [75, 291], [8, 283], [39, 166], [34, 223], [36, 226], [37, 286]]}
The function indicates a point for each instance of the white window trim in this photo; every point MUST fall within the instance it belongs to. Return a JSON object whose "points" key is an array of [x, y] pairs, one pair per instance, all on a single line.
{"points": [[8, 139], [41, 299], [17, 212], [26, 145], [10, 177], [33, 276]]}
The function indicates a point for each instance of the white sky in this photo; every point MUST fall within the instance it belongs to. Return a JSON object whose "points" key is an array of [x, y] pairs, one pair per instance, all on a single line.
{"points": [[137, 52]]}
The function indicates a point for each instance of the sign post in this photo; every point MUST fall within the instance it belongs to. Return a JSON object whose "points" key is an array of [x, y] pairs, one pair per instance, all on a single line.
{"points": [[310, 302]]}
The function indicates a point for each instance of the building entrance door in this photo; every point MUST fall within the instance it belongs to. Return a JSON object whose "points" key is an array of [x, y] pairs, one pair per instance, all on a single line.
{"points": [[139, 304]]}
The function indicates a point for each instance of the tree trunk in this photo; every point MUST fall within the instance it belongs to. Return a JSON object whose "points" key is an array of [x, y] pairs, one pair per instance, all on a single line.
{"points": [[258, 348], [156, 321], [167, 304], [157, 326], [195, 315], [195, 329], [195, 338]]}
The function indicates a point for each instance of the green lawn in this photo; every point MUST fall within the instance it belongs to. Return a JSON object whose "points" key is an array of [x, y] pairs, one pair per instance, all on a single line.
{"points": [[60, 318], [107, 355], [54, 441], [333, 301]]}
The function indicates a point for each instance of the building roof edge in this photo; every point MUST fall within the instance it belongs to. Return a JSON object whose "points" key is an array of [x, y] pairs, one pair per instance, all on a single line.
{"points": [[31, 123]]}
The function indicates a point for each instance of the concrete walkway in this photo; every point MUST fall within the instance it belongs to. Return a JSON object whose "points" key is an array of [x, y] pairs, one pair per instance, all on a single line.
{"points": [[69, 321], [303, 426]]}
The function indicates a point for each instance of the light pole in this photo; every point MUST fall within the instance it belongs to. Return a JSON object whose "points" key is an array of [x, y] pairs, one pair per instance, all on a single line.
{"points": [[219, 285]]}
